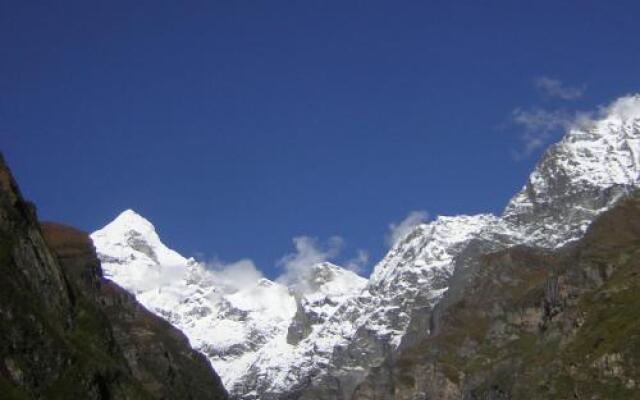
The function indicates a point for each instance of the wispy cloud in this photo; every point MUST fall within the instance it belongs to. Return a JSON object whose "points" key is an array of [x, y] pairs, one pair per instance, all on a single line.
{"points": [[538, 127], [237, 275], [165, 275], [308, 252], [401, 229], [556, 88], [358, 263]]}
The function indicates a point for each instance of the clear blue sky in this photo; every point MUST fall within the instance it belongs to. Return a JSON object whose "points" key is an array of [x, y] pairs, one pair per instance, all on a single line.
{"points": [[237, 125]]}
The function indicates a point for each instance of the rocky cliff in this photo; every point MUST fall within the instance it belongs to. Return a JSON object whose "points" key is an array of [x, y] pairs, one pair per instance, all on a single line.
{"points": [[533, 324], [68, 333]]}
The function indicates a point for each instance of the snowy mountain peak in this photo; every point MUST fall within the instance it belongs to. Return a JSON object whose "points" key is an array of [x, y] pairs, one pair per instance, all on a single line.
{"points": [[129, 223], [327, 280], [131, 236], [133, 255], [326, 273], [131, 218], [236, 322], [594, 164], [433, 244]]}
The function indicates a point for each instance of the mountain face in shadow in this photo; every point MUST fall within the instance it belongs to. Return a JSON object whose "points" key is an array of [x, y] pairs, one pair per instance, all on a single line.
{"points": [[68, 333], [533, 324]]}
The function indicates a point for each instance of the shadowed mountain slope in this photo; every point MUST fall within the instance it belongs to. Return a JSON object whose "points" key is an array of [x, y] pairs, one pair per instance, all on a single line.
{"points": [[533, 324], [68, 333]]}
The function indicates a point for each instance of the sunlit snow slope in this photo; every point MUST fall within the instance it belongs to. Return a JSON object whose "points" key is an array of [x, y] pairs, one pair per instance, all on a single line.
{"points": [[236, 324]]}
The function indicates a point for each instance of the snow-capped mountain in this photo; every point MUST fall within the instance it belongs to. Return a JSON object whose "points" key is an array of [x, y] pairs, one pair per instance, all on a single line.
{"points": [[268, 340], [236, 324]]}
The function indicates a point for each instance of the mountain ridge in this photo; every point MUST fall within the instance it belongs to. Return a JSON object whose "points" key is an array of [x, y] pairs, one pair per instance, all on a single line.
{"points": [[586, 173], [534, 324]]}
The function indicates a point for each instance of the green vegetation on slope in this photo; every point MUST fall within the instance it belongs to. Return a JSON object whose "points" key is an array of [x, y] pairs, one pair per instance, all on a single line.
{"points": [[539, 325]]}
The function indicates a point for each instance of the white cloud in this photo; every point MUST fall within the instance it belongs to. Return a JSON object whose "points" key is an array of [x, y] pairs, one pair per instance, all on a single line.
{"points": [[537, 119], [626, 107], [398, 231], [538, 127], [164, 276], [359, 262], [309, 251], [556, 88], [237, 275]]}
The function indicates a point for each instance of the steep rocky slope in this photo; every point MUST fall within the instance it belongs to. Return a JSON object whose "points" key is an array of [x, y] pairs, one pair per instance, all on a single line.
{"points": [[534, 324], [299, 356], [67, 333]]}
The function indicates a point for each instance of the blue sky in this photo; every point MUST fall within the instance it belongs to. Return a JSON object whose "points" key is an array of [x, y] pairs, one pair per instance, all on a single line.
{"points": [[236, 126]]}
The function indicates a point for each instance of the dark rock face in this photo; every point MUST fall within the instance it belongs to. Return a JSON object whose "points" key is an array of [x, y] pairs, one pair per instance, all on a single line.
{"points": [[67, 333], [533, 324], [301, 324]]}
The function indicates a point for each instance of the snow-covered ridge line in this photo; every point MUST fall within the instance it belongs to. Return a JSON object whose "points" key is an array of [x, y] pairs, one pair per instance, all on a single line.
{"points": [[266, 339], [234, 325]]}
